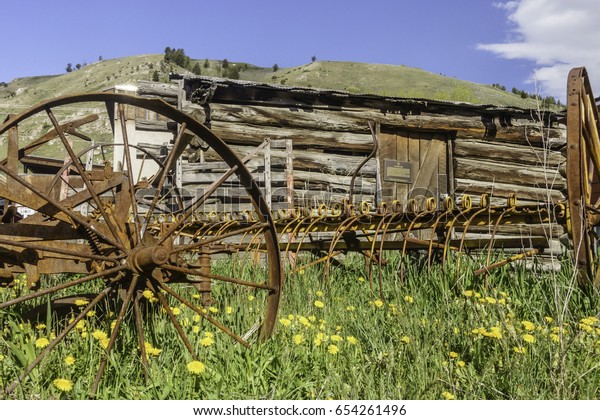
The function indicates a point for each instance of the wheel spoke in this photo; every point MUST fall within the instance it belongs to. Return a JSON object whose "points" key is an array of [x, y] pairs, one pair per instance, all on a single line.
{"points": [[207, 193], [59, 287], [203, 315], [127, 157], [204, 242], [114, 333], [140, 330], [85, 179], [56, 250], [221, 278]]}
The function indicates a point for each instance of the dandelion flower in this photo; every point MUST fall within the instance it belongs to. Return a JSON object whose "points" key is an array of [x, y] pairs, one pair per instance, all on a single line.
{"points": [[350, 308], [40, 326], [520, 350], [196, 367], [250, 298], [285, 322], [408, 299], [548, 319], [298, 339], [555, 338], [304, 321], [351, 339], [99, 335], [80, 325], [151, 350], [63, 384], [378, 303], [448, 395], [490, 300], [312, 318], [405, 339], [104, 343], [502, 301], [361, 279], [207, 341], [148, 294], [176, 311], [69, 360], [319, 304], [319, 293], [195, 329], [81, 302], [196, 296], [453, 354], [468, 293], [460, 363], [528, 338], [529, 326], [336, 338], [495, 332], [40, 343], [333, 349], [1, 357], [228, 310], [213, 309], [91, 314]]}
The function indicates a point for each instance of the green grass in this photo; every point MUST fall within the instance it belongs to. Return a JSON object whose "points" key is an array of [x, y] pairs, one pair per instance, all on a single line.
{"points": [[426, 335]]}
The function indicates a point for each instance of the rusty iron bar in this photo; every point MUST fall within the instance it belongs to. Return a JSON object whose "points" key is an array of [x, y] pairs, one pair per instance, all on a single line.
{"points": [[488, 269]]}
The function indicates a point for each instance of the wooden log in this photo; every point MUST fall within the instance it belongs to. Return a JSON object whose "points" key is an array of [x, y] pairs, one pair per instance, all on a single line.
{"points": [[518, 131], [155, 89], [503, 190], [243, 134], [497, 172], [534, 156]]}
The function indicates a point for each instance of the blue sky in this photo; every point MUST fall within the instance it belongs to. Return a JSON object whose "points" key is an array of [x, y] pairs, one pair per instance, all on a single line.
{"points": [[477, 40]]}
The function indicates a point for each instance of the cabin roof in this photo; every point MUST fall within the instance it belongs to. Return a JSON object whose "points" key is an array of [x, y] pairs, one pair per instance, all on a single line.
{"points": [[251, 92]]}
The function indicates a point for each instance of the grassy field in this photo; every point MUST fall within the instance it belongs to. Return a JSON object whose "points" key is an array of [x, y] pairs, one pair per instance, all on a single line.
{"points": [[529, 335]]}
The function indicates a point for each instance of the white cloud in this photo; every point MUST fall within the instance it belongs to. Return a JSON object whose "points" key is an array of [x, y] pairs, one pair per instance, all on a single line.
{"points": [[556, 35]]}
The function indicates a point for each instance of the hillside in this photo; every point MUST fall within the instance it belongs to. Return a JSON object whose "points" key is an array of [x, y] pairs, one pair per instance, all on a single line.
{"points": [[377, 79]]}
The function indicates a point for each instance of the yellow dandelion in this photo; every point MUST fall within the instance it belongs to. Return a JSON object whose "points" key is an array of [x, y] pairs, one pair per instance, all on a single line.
{"points": [[495, 332], [555, 338], [91, 314], [196, 296], [479, 331], [319, 304], [99, 335], [40, 326], [250, 298], [113, 325], [62, 384], [298, 339], [304, 321], [528, 338], [350, 308], [291, 317], [520, 350], [1, 357], [468, 293], [589, 320], [176, 311], [336, 338], [195, 329], [84, 334], [586, 328], [351, 339], [285, 322], [69, 360], [460, 363], [548, 319], [378, 303], [40, 343], [207, 341], [104, 343], [453, 354], [228, 310], [151, 350], [312, 318], [213, 309], [319, 293], [490, 300], [148, 294], [456, 330], [317, 341], [529, 326], [501, 301], [333, 349], [81, 302], [361, 279], [196, 367], [409, 299], [209, 334], [448, 395], [405, 339]]}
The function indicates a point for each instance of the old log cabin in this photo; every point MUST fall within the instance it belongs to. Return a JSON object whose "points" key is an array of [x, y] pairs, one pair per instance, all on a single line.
{"points": [[332, 146]]}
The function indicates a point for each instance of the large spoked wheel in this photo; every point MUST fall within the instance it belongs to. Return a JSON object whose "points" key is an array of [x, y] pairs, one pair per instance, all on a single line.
{"points": [[105, 206], [583, 175]]}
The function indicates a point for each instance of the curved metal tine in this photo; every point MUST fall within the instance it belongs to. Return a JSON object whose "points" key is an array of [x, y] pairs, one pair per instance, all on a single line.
{"points": [[493, 236], [380, 261], [337, 234], [86, 181], [59, 287], [182, 248], [203, 315], [198, 202], [139, 325], [58, 206], [385, 230], [449, 230], [306, 232], [410, 227], [296, 230], [114, 333], [129, 166], [177, 149], [462, 241], [58, 339], [433, 230]]}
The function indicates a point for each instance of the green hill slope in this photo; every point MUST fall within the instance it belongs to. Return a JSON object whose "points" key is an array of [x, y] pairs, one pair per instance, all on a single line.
{"points": [[377, 79]]}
